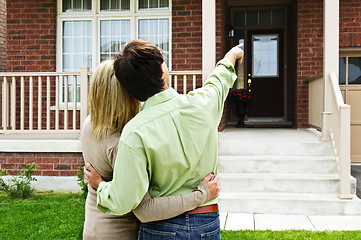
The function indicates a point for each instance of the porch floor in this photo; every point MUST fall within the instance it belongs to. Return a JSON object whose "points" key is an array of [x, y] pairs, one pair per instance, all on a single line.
{"points": [[270, 134]]}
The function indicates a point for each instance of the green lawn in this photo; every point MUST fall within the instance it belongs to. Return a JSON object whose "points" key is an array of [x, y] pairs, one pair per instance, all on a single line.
{"points": [[44, 216], [61, 216]]}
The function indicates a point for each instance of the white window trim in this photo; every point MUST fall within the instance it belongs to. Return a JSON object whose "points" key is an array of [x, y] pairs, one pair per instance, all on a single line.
{"points": [[349, 52], [96, 16]]}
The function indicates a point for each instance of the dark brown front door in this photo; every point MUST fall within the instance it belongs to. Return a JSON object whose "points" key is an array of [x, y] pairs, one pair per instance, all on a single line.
{"points": [[264, 72]]}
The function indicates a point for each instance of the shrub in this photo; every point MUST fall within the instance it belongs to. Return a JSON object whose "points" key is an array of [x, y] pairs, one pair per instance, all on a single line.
{"points": [[81, 181], [19, 186]]}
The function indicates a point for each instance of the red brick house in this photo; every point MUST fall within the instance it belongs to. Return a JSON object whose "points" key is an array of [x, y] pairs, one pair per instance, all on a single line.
{"points": [[285, 50]]}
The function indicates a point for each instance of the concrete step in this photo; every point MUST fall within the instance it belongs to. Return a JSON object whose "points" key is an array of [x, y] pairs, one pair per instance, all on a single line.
{"points": [[236, 148], [281, 183], [277, 164], [288, 203], [277, 142]]}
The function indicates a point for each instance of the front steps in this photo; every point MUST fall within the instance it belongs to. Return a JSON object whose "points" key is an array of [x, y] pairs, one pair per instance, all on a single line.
{"points": [[280, 171]]}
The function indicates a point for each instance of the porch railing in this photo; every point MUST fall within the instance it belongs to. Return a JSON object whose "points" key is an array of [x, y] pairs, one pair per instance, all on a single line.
{"points": [[315, 101], [340, 136], [39, 103], [339, 126]]}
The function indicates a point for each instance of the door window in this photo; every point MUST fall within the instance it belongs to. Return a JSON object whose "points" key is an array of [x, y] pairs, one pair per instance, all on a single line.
{"points": [[265, 55]]}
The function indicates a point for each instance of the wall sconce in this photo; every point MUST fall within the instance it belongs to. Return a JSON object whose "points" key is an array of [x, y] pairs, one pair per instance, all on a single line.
{"points": [[230, 31]]}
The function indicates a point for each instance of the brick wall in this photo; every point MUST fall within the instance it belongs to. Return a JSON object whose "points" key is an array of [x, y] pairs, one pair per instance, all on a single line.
{"points": [[187, 39], [310, 53], [350, 23], [31, 39], [2, 35], [310, 44], [50, 164]]}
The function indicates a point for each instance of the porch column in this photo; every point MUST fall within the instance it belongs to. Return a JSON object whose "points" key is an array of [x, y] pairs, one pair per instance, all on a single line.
{"points": [[208, 37], [330, 59]]}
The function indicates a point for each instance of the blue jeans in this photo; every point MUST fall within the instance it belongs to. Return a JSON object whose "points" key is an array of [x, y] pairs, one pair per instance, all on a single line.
{"points": [[185, 226]]}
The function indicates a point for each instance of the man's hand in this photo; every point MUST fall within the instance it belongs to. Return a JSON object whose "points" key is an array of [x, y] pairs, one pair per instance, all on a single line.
{"points": [[92, 176], [234, 54], [212, 182]]}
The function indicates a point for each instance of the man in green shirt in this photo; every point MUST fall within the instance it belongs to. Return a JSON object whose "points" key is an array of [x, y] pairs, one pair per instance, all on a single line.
{"points": [[170, 145]]}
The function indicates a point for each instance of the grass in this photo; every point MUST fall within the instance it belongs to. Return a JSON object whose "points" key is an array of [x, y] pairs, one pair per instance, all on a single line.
{"points": [[44, 216], [291, 235], [61, 216]]}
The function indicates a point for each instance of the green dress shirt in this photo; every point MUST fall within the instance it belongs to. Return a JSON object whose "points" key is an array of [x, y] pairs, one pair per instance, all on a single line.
{"points": [[169, 146]]}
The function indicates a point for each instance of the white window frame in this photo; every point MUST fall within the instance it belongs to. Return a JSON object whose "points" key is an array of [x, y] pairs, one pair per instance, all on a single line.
{"points": [[95, 16], [347, 53]]}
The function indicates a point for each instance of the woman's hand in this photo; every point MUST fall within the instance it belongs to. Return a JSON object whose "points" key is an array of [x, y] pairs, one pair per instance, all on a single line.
{"points": [[92, 176], [212, 182]]}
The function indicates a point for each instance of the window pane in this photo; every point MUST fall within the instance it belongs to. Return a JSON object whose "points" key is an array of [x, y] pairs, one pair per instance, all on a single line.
{"points": [[76, 5], [265, 55], [278, 18], [104, 5], [164, 4], [239, 19], [76, 45], [77, 51], [354, 70], [125, 5], [114, 5], [66, 5], [252, 19], [153, 4], [143, 4], [114, 33], [87, 4], [265, 18], [342, 70], [156, 31]]}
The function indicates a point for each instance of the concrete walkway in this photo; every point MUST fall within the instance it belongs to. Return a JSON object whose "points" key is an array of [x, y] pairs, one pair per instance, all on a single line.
{"points": [[248, 221]]}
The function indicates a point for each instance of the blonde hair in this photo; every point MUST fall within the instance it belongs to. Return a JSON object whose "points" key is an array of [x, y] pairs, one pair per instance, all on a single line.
{"points": [[110, 105]]}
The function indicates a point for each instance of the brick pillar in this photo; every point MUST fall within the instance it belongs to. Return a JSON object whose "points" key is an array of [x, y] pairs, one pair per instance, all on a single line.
{"points": [[310, 53], [2, 35]]}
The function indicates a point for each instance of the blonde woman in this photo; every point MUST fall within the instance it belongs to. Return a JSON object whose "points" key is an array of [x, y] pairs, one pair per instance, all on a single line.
{"points": [[110, 108]]}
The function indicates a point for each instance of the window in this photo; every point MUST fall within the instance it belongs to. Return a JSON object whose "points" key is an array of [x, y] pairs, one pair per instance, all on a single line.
{"points": [[264, 18], [90, 32], [350, 67], [265, 55]]}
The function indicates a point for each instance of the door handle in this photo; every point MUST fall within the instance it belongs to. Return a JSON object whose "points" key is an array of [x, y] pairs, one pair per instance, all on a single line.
{"points": [[249, 81]]}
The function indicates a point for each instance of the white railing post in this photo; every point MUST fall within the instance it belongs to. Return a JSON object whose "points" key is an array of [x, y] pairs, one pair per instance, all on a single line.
{"points": [[48, 103], [57, 102], [5, 104], [75, 102], [84, 89], [22, 103], [13, 103], [39, 102], [66, 102], [208, 37], [344, 152], [330, 59], [31, 117]]}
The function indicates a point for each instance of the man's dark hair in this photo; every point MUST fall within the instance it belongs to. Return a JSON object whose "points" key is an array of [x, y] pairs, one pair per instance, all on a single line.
{"points": [[138, 68]]}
